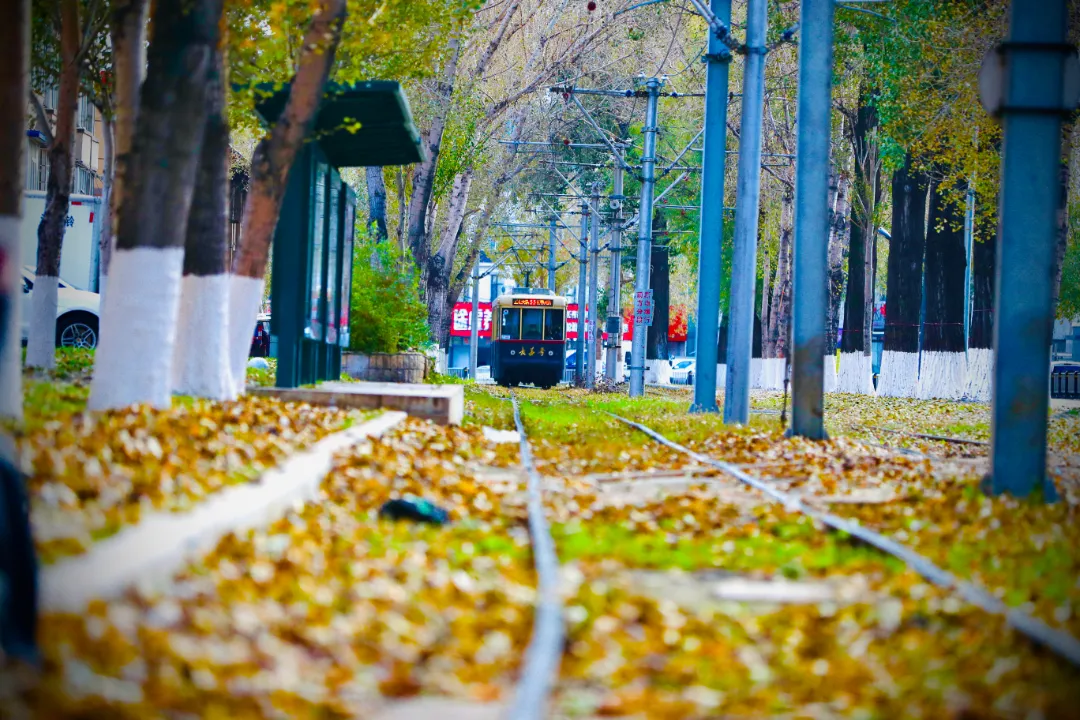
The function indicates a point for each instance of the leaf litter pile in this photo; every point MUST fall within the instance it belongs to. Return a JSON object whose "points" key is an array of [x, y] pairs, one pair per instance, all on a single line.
{"points": [[90, 474], [687, 594]]}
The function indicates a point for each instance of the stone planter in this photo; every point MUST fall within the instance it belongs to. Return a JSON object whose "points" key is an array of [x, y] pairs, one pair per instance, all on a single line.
{"points": [[385, 367]]}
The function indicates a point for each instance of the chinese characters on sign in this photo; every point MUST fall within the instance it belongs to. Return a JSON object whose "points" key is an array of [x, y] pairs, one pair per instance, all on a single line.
{"points": [[533, 302], [643, 307], [461, 322]]}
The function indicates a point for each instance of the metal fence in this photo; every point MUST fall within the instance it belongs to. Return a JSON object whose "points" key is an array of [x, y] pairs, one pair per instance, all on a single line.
{"points": [[682, 378], [460, 372]]}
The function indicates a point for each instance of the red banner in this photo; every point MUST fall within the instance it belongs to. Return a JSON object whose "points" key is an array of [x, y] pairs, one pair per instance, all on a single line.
{"points": [[677, 324], [461, 322]]}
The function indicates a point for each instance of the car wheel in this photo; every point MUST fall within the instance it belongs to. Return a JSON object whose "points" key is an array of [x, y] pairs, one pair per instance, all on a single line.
{"points": [[77, 331]]}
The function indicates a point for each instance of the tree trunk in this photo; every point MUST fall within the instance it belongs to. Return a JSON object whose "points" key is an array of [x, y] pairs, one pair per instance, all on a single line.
{"points": [[900, 359], [403, 206], [105, 240], [656, 340], [14, 90], [270, 165], [41, 345], [981, 329], [201, 360], [856, 344], [128, 38], [838, 241], [376, 189], [943, 372], [441, 264], [768, 349], [138, 332], [416, 232], [780, 312]]}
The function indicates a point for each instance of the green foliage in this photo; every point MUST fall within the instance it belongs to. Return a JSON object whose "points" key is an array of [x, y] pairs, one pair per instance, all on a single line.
{"points": [[1069, 300], [263, 378], [386, 312]]}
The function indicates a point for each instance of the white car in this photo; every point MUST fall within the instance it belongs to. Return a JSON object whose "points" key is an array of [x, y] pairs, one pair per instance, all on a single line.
{"points": [[682, 370], [77, 313]]}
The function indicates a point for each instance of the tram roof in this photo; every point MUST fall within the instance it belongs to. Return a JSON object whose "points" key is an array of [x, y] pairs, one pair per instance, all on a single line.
{"points": [[520, 299]]}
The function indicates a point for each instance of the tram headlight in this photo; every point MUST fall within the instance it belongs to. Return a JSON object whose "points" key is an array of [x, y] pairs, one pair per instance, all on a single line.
{"points": [[513, 352]]}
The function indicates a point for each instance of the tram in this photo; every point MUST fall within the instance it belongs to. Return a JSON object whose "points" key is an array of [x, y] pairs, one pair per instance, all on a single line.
{"points": [[528, 338]]}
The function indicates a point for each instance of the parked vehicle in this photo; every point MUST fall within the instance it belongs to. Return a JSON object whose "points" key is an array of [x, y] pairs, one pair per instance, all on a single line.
{"points": [[682, 370], [260, 342], [77, 313]]}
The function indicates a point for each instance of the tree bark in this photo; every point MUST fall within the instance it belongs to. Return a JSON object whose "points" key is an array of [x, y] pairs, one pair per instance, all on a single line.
{"points": [[376, 188], [900, 359], [138, 332], [128, 38], [859, 302], [780, 312], [767, 348], [656, 340], [14, 90], [201, 360], [942, 373], [41, 345], [441, 264], [838, 248], [105, 240], [270, 165]]}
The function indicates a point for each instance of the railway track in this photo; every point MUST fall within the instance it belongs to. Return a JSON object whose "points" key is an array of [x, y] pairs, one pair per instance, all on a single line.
{"points": [[1061, 643]]}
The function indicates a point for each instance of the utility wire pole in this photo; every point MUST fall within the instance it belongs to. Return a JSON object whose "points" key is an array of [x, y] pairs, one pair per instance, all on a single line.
{"points": [[594, 257], [1024, 81], [583, 260], [552, 230], [614, 319], [747, 195], [969, 237], [809, 296], [710, 237], [644, 251], [474, 321]]}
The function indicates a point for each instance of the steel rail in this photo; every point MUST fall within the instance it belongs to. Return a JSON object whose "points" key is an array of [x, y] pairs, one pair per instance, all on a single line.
{"points": [[542, 657], [941, 438], [1060, 642]]}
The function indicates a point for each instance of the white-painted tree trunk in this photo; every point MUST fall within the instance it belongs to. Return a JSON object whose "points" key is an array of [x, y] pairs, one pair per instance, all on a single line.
{"points": [[980, 368], [721, 376], [757, 371], [899, 374], [831, 382], [856, 374], [201, 361], [943, 375], [138, 329], [245, 297], [11, 405], [41, 348]]}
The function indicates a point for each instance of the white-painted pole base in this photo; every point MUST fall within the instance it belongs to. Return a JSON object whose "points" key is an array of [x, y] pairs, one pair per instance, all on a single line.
{"points": [[41, 345], [980, 369], [201, 362], [943, 375], [856, 374], [134, 358], [11, 402], [245, 297], [757, 371], [899, 374], [831, 381], [149, 553]]}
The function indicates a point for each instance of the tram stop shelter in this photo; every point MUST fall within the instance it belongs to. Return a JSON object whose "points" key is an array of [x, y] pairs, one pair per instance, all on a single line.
{"points": [[362, 125]]}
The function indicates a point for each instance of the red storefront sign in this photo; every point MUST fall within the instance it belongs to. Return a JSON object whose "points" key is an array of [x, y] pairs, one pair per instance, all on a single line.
{"points": [[677, 324], [461, 322]]}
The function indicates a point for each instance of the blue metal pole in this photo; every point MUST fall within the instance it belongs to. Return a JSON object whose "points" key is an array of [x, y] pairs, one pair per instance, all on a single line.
{"points": [[809, 297], [969, 237], [583, 260], [1034, 73], [612, 370], [710, 236], [644, 249], [551, 254], [747, 200]]}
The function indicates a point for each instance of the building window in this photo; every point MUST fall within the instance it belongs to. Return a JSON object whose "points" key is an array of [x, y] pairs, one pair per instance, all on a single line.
{"points": [[86, 114], [83, 181], [37, 166]]}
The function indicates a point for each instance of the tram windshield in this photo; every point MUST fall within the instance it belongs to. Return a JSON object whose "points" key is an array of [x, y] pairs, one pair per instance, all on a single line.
{"points": [[510, 324], [553, 325], [532, 324]]}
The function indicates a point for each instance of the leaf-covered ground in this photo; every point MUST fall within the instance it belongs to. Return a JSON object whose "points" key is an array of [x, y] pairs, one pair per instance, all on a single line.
{"points": [[687, 594], [92, 473]]}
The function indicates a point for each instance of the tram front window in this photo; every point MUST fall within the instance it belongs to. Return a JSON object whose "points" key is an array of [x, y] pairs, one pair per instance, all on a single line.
{"points": [[553, 325], [532, 324], [509, 324]]}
